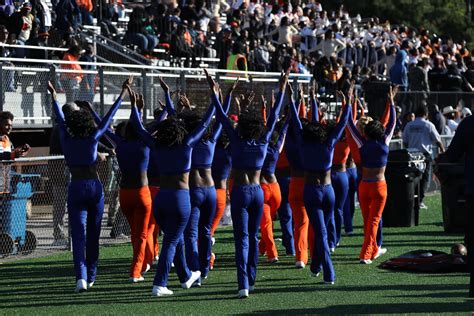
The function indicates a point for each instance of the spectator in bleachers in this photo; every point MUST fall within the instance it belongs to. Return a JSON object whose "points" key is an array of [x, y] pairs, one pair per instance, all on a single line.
{"points": [[71, 80], [85, 8], [180, 45], [140, 32], [67, 19], [6, 52], [7, 150], [223, 46], [450, 114], [20, 25], [42, 15], [237, 60]]}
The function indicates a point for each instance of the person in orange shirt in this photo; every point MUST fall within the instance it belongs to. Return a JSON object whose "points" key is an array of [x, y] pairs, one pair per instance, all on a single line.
{"points": [[72, 76], [85, 7]]}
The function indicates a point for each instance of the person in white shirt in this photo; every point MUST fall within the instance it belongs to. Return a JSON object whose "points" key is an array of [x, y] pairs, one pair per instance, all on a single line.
{"points": [[329, 46], [449, 112]]}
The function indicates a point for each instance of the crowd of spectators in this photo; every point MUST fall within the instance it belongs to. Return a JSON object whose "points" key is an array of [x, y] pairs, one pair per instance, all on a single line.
{"points": [[335, 47]]}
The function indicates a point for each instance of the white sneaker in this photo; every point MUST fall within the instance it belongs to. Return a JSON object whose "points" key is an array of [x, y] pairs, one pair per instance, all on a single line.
{"points": [[136, 280], [251, 288], [273, 260], [195, 275], [332, 250], [350, 233], [172, 264], [365, 261], [161, 291], [148, 267], [198, 283], [81, 285], [243, 293], [89, 285], [381, 251], [423, 206], [300, 265], [213, 240], [315, 275], [329, 282]]}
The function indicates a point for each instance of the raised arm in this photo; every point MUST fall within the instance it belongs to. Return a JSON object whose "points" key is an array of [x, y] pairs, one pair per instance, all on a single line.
{"points": [[314, 108], [56, 108], [221, 115], [339, 129], [281, 138], [358, 138], [297, 126], [216, 131], [145, 136], [274, 113], [169, 103], [391, 122], [105, 122], [197, 133]]}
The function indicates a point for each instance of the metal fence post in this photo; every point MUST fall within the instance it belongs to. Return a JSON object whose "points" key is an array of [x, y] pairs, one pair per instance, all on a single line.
{"points": [[101, 89], [145, 93], [182, 81], [1, 86]]}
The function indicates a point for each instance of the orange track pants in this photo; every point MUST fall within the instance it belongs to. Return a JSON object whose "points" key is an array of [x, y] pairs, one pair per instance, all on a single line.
{"points": [[300, 218], [221, 195], [136, 206], [271, 203], [372, 198], [156, 229]]}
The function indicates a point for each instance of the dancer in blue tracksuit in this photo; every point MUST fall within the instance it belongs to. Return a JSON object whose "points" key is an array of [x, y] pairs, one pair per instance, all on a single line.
{"points": [[203, 198], [85, 201], [349, 204], [317, 147], [249, 143], [172, 205]]}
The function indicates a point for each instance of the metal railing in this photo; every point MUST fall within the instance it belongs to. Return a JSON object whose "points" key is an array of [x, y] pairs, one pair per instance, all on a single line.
{"points": [[33, 213], [23, 88]]}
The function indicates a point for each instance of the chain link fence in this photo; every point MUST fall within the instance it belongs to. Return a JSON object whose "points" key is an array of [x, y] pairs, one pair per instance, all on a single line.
{"points": [[33, 213]]}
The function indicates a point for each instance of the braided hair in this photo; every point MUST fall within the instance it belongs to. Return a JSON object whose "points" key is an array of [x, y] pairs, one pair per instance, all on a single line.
{"points": [[80, 124], [314, 132], [251, 126], [192, 120], [171, 131]]}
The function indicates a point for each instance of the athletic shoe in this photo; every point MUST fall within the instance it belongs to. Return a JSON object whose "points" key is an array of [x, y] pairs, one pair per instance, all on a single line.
{"points": [[195, 275], [315, 275], [337, 245], [365, 261], [172, 264], [197, 283], [381, 251], [423, 206], [243, 293], [213, 240], [273, 260], [161, 291], [136, 280], [349, 233], [332, 249], [147, 268], [251, 288], [329, 282], [90, 284], [81, 285], [300, 265]]}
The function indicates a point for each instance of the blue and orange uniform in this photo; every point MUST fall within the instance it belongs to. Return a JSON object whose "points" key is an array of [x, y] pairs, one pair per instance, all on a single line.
{"points": [[203, 203], [85, 200], [271, 196], [319, 198], [282, 173], [372, 194], [172, 206], [221, 167], [247, 200], [301, 229]]}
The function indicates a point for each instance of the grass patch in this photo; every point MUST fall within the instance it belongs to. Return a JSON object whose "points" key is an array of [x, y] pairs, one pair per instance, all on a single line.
{"points": [[45, 285]]}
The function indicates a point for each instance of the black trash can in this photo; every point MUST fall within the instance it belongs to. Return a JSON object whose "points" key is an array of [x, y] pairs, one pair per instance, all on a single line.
{"points": [[453, 199], [403, 174]]}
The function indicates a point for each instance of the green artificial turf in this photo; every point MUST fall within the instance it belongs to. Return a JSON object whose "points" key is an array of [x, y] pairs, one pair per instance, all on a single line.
{"points": [[45, 285]]}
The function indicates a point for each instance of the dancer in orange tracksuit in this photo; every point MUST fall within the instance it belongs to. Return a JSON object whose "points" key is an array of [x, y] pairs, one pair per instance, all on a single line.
{"points": [[271, 191], [135, 198], [295, 196], [373, 188], [354, 150]]}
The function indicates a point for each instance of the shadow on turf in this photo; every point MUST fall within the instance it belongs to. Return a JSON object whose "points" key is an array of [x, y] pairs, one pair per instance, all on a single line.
{"points": [[388, 308]]}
